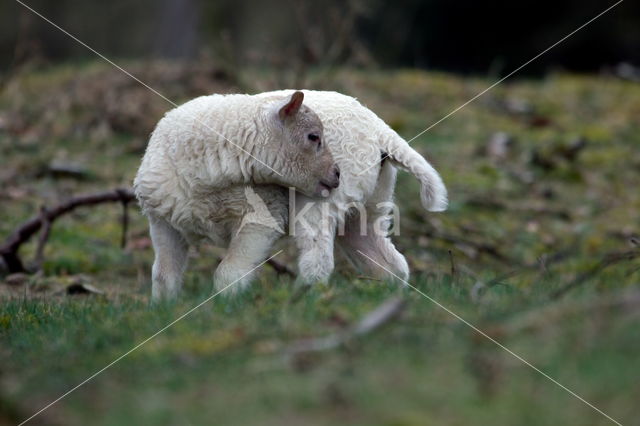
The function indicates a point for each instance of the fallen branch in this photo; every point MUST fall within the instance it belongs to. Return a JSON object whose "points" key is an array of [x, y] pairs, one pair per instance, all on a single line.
{"points": [[9, 249], [125, 220], [44, 237], [373, 320], [542, 266], [480, 247], [557, 313], [453, 265], [608, 260]]}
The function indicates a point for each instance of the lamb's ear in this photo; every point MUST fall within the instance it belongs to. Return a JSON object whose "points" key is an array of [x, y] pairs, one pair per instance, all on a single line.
{"points": [[292, 107]]}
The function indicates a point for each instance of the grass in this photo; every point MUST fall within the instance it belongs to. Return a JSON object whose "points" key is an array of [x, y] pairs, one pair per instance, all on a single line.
{"points": [[520, 228], [225, 361]]}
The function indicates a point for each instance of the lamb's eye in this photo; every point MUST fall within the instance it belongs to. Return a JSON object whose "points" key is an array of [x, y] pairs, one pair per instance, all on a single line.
{"points": [[313, 137]]}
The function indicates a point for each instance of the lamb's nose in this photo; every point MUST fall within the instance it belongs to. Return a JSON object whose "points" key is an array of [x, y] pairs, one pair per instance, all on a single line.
{"points": [[337, 171]]}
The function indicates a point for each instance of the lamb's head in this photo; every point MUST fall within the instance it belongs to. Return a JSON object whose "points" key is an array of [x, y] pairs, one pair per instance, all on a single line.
{"points": [[305, 161]]}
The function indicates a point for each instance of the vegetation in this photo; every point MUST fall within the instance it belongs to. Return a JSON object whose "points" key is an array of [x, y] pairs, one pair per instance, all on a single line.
{"points": [[539, 250]]}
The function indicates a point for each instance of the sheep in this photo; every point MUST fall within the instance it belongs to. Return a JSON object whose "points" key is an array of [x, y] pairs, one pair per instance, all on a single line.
{"points": [[200, 156], [358, 140], [250, 218]]}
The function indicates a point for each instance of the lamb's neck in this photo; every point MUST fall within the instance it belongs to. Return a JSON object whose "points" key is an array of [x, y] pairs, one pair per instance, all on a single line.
{"points": [[265, 166], [266, 157]]}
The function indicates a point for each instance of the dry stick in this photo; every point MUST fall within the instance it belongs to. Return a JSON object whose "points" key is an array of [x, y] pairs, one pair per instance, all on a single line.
{"points": [[608, 260], [544, 263], [548, 261], [44, 237], [125, 221], [453, 265], [9, 249], [555, 313], [489, 249], [385, 312]]}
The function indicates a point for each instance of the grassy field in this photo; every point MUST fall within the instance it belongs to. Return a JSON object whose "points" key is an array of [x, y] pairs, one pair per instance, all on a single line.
{"points": [[538, 250]]}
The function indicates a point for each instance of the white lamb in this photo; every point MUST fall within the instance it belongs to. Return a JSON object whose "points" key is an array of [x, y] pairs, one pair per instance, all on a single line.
{"points": [[200, 157], [356, 137]]}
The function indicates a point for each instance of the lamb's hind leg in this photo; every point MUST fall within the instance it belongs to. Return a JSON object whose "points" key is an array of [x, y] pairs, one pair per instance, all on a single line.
{"points": [[170, 260], [372, 252], [366, 242]]}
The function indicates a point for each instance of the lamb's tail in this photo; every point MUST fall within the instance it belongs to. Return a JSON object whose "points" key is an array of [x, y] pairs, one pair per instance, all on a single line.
{"points": [[433, 193]]}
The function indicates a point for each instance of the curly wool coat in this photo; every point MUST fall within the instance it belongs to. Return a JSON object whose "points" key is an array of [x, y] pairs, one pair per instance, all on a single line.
{"points": [[202, 195]]}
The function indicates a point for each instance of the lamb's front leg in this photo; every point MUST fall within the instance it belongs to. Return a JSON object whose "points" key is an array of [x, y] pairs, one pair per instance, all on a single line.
{"points": [[314, 232], [170, 262], [247, 249]]}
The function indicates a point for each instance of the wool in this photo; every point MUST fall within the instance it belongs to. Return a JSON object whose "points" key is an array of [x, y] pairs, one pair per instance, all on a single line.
{"points": [[193, 184]]}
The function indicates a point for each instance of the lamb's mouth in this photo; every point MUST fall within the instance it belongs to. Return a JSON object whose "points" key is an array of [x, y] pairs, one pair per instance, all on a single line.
{"points": [[324, 188], [330, 184]]}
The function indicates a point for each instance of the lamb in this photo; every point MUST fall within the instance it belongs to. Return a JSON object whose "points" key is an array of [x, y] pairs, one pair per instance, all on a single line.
{"points": [[357, 139], [200, 157]]}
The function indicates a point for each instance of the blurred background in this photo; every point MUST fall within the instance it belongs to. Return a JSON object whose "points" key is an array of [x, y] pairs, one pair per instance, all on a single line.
{"points": [[468, 37], [539, 248]]}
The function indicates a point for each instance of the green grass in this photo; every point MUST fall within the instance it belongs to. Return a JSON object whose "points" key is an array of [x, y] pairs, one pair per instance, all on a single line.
{"points": [[226, 364], [226, 361]]}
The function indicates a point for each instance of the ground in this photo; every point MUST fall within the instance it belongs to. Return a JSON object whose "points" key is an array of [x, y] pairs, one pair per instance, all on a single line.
{"points": [[538, 250]]}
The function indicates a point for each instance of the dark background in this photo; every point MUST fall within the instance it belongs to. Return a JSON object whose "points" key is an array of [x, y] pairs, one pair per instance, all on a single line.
{"points": [[470, 37]]}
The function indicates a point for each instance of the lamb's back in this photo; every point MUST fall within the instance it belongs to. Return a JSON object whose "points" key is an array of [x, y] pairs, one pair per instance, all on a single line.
{"points": [[191, 147]]}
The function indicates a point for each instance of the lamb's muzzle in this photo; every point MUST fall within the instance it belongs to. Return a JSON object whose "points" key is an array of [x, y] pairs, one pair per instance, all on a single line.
{"points": [[334, 179]]}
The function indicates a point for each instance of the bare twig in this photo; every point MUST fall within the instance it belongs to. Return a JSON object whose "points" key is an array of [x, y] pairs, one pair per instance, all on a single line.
{"points": [[555, 313], [608, 260], [453, 265], [44, 237], [9, 249], [125, 216], [481, 247], [542, 266], [385, 312]]}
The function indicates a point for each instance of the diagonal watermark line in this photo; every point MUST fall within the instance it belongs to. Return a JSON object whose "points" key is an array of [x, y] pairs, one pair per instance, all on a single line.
{"points": [[142, 83], [94, 375], [505, 77], [163, 329], [506, 349], [407, 283]]}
